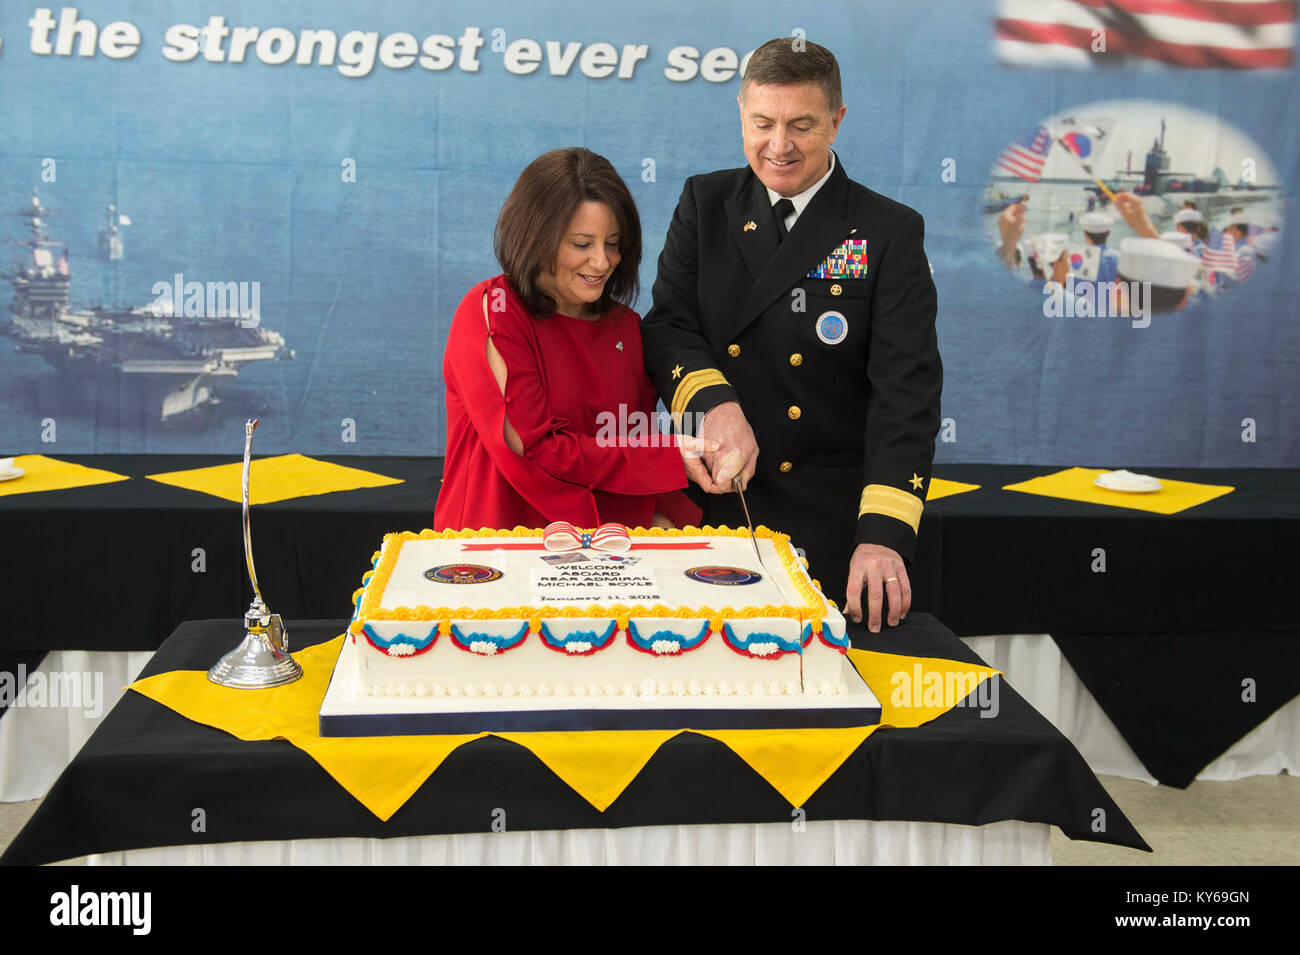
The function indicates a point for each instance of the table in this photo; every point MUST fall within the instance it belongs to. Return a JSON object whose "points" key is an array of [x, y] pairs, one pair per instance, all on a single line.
{"points": [[312, 551], [123, 554], [1162, 604], [138, 779]]}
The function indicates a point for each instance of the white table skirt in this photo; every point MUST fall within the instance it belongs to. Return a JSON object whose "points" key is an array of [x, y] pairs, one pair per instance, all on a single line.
{"points": [[36, 743], [1034, 665], [821, 842]]}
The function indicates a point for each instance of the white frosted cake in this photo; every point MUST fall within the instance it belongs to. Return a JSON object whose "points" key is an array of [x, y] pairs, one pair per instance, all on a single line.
{"points": [[504, 620]]}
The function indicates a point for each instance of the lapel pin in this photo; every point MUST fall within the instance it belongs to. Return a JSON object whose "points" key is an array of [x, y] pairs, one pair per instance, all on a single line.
{"points": [[750, 226], [619, 346]]}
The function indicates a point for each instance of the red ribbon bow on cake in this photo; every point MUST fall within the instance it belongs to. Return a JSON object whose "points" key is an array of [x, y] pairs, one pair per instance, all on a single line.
{"points": [[562, 536]]}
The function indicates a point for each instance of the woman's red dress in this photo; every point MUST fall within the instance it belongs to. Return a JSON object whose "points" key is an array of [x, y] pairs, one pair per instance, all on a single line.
{"points": [[568, 381]]}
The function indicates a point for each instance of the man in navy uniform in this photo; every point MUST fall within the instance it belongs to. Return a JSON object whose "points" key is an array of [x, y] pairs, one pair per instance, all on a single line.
{"points": [[794, 313]]}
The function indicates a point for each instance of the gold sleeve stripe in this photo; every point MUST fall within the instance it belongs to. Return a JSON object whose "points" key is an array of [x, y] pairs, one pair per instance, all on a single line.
{"points": [[892, 502], [692, 383]]}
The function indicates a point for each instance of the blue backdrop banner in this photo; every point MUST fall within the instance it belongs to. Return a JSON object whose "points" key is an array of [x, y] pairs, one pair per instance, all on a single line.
{"points": [[224, 211]]}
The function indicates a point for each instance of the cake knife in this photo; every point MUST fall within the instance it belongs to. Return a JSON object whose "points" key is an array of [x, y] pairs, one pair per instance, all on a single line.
{"points": [[735, 483]]}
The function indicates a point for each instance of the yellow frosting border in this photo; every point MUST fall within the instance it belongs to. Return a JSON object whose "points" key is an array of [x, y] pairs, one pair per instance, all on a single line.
{"points": [[375, 581]]}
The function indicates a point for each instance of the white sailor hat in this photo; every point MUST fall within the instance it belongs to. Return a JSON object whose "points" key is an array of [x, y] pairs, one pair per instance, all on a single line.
{"points": [[1187, 215], [1048, 246], [1156, 261], [1180, 239], [1096, 222]]}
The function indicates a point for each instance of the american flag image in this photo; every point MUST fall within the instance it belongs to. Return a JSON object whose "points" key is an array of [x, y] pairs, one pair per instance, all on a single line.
{"points": [[1205, 34], [1245, 267], [1220, 253], [1025, 155], [1221, 256]]}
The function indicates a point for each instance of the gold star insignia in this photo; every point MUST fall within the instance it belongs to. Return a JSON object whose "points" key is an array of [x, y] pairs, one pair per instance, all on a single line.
{"points": [[677, 372], [916, 481]]}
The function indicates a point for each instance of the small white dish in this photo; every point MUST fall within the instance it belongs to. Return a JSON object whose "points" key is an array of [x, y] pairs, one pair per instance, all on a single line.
{"points": [[9, 473], [1128, 482]]}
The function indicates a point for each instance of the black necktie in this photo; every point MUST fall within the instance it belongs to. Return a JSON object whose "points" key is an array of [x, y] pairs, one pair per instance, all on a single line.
{"points": [[781, 208]]}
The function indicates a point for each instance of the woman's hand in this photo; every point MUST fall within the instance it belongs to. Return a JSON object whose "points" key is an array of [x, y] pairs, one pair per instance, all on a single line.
{"points": [[659, 520], [693, 451]]}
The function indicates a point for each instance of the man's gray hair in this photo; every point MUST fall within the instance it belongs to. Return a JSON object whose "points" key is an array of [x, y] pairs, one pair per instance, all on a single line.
{"points": [[788, 61]]}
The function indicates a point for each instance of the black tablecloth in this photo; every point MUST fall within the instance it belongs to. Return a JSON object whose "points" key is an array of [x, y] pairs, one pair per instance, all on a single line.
{"points": [[1182, 700], [112, 567], [138, 779], [1010, 562]]}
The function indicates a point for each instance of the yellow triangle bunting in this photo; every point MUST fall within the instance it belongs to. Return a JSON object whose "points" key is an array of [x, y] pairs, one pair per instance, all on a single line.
{"points": [[598, 765], [384, 772], [915, 690], [795, 762]]}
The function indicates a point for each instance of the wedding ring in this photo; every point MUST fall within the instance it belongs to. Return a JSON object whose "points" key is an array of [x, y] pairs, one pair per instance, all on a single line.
{"points": [[890, 580]]}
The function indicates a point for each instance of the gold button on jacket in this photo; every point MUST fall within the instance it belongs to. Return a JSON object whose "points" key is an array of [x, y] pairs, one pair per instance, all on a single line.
{"points": [[834, 412], [733, 351]]}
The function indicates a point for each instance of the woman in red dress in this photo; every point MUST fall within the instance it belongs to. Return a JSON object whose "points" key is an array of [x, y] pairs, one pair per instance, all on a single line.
{"points": [[549, 409]]}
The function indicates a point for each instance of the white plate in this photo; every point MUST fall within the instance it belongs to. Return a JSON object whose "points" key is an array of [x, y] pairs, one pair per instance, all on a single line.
{"points": [[1127, 481], [8, 474]]}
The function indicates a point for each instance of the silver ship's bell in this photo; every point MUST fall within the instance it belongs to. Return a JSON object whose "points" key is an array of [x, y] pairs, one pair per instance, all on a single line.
{"points": [[262, 659]]}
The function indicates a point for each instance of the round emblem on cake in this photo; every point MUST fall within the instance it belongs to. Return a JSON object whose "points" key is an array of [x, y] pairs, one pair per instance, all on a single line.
{"points": [[463, 574], [724, 576], [832, 327]]}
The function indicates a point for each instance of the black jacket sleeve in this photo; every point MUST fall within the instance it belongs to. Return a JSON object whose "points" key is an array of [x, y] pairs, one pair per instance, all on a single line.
{"points": [[906, 378], [679, 357]]}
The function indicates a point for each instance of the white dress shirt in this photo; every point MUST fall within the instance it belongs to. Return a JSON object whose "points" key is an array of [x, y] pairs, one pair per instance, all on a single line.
{"points": [[801, 201]]}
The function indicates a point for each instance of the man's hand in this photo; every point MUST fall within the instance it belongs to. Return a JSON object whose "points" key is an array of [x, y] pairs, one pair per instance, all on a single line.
{"points": [[737, 455], [1135, 214], [693, 451], [882, 571], [1011, 226]]}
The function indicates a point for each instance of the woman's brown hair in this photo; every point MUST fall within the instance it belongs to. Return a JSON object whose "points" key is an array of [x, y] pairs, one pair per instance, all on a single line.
{"points": [[537, 214]]}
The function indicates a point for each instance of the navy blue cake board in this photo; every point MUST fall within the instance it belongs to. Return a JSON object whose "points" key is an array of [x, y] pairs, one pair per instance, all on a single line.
{"points": [[343, 713]]}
